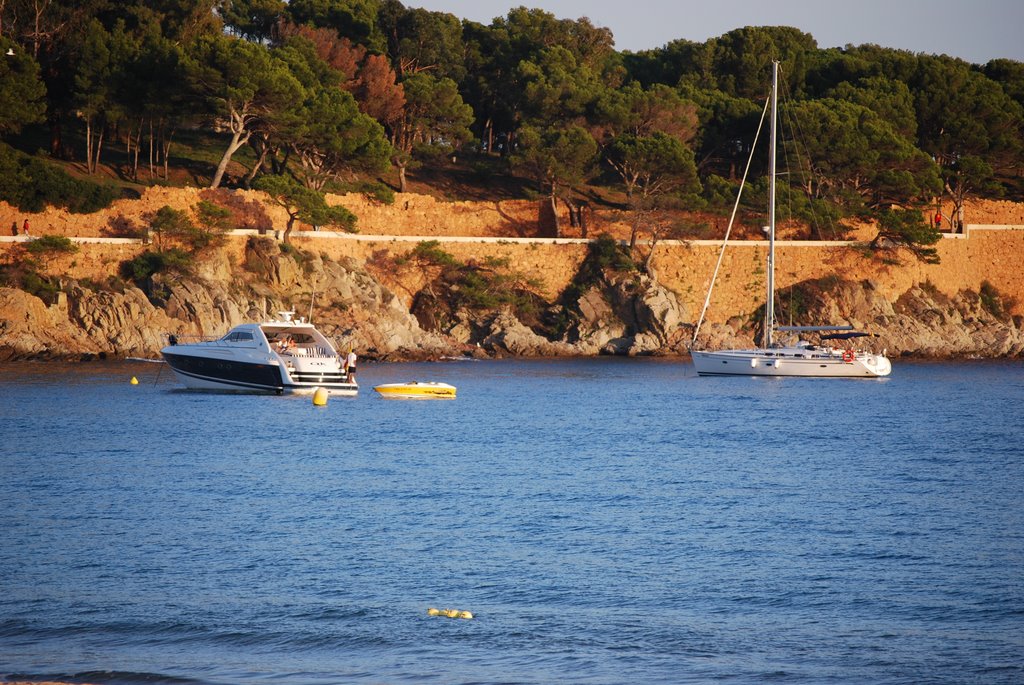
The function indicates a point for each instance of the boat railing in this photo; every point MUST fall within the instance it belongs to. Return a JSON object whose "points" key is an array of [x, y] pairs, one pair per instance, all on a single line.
{"points": [[309, 351]]}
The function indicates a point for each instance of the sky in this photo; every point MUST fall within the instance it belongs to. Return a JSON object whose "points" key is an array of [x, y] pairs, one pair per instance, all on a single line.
{"points": [[973, 30]]}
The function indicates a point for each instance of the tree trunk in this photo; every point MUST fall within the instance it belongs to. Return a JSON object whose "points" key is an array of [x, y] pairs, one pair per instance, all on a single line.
{"points": [[554, 210], [99, 150], [56, 138], [256, 167], [289, 226], [238, 139], [649, 262], [88, 145], [138, 149], [402, 184], [166, 138], [128, 151]]}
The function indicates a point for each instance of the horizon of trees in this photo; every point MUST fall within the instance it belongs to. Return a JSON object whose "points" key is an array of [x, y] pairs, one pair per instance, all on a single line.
{"points": [[324, 90]]}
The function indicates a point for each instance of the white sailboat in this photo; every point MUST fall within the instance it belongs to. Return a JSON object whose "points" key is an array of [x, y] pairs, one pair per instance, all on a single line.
{"points": [[801, 358]]}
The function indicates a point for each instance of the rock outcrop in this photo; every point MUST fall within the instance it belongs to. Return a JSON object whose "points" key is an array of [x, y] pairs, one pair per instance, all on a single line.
{"points": [[348, 305], [620, 314], [628, 314], [923, 322]]}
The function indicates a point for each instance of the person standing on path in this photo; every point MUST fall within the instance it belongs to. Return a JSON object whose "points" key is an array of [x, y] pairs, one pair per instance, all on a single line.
{"points": [[24, 228]]}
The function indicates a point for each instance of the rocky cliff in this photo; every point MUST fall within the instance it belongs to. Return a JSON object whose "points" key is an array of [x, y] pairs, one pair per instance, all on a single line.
{"points": [[619, 313], [362, 292], [347, 304]]}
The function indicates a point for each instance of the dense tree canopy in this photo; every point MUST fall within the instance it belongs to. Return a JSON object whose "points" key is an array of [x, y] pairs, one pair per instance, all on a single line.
{"points": [[321, 89]]}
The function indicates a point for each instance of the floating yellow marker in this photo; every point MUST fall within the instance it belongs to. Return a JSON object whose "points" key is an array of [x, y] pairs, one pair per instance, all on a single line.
{"points": [[320, 397], [449, 613], [134, 381]]}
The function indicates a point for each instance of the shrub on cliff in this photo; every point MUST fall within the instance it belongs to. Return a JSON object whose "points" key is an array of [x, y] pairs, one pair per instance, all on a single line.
{"points": [[994, 302], [908, 228], [30, 184], [604, 256], [47, 245], [143, 269], [453, 285], [304, 204]]}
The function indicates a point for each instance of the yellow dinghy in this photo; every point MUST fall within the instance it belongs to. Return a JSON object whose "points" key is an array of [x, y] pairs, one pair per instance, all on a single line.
{"points": [[417, 390]]}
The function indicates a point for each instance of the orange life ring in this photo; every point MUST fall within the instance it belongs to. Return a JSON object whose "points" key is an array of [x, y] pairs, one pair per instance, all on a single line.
{"points": [[848, 356]]}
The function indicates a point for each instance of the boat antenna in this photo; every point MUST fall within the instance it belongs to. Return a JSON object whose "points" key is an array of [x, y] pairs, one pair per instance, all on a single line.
{"points": [[728, 230]]}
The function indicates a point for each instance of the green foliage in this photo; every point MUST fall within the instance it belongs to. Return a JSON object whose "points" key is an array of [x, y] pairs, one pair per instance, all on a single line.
{"points": [[30, 184], [252, 19], [907, 227], [352, 19], [305, 204], [436, 120], [876, 117], [213, 218], [332, 137], [557, 156], [49, 245], [603, 255], [142, 268], [169, 223], [378, 191], [851, 149], [43, 287], [994, 302], [719, 193], [486, 286], [798, 304], [214, 221], [429, 252], [242, 87], [606, 253], [889, 99], [420, 38], [21, 89]]}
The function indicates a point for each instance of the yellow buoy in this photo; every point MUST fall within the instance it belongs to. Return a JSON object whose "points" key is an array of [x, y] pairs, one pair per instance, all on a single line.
{"points": [[134, 381], [449, 613], [320, 397]]}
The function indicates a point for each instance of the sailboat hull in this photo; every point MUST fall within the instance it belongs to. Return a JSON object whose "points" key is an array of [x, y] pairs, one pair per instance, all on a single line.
{"points": [[797, 362]]}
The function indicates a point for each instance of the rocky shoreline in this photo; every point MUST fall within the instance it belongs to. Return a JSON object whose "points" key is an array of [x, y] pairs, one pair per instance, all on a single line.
{"points": [[629, 315]]}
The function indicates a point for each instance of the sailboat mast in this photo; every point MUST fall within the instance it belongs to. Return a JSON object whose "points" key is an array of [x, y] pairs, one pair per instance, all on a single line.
{"points": [[769, 309]]}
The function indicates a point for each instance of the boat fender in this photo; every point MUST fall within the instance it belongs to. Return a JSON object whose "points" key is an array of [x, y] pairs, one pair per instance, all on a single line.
{"points": [[848, 356], [449, 613], [753, 363]]}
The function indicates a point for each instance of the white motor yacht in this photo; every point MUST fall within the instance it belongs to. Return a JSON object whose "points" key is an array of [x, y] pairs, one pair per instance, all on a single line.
{"points": [[287, 355]]}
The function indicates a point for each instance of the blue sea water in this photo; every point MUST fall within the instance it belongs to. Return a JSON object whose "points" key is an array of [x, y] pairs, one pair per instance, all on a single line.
{"points": [[606, 520]]}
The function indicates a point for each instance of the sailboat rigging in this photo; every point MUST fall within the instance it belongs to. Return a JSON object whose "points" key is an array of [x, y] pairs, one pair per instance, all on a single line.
{"points": [[774, 359]]}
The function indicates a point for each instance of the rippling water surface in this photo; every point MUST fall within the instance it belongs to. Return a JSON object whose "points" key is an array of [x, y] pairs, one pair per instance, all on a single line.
{"points": [[607, 521]]}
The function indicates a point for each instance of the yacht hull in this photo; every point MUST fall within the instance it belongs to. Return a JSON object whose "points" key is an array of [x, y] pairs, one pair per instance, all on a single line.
{"points": [[798, 363], [225, 374]]}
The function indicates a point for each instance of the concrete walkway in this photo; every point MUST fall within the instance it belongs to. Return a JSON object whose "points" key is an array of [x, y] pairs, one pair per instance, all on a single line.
{"points": [[359, 237]]}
